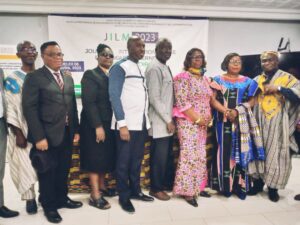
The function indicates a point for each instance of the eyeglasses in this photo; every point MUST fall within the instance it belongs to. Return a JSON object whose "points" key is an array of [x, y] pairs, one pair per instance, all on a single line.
{"points": [[237, 62], [31, 50], [105, 55], [55, 55], [267, 60], [198, 57]]}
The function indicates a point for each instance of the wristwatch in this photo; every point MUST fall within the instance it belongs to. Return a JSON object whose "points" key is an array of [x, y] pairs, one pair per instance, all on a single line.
{"points": [[279, 88]]}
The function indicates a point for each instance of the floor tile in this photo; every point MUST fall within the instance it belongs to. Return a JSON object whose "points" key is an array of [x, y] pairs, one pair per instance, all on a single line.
{"points": [[283, 218], [217, 210], [238, 220]]}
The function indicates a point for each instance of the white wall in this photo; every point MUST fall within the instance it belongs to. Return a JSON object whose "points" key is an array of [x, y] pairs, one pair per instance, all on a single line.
{"points": [[242, 36], [247, 37], [16, 28]]}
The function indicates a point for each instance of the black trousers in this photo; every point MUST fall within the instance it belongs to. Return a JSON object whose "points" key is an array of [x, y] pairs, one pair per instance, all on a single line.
{"points": [[129, 160], [161, 164], [53, 185]]}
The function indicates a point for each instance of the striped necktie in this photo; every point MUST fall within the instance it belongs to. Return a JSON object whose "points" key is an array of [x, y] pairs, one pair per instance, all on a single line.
{"points": [[59, 81]]}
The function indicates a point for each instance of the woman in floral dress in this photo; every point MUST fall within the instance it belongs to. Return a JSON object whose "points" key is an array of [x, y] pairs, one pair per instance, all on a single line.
{"points": [[193, 97]]}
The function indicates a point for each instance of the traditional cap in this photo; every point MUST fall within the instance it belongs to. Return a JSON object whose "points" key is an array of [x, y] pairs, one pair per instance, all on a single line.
{"points": [[265, 53]]}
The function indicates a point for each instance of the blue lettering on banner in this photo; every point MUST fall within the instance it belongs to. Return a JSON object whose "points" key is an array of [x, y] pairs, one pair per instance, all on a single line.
{"points": [[147, 37], [73, 66]]}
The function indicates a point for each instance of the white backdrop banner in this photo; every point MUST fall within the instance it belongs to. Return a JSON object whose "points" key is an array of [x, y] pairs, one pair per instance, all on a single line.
{"points": [[9, 61], [79, 37]]}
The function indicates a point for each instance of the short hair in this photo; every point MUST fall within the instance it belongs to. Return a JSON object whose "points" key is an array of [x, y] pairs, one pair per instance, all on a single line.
{"points": [[161, 41], [132, 39], [188, 58], [228, 57], [101, 47], [21, 44], [46, 44]]}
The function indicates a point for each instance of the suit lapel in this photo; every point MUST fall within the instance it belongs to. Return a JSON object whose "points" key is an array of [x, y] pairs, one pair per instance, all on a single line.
{"points": [[49, 75]]}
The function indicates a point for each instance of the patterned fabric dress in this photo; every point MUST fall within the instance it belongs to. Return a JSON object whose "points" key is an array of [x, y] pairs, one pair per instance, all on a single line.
{"points": [[191, 173], [21, 170], [230, 175], [277, 116]]}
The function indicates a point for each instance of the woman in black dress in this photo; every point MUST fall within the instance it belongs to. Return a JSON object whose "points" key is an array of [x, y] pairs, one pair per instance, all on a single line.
{"points": [[97, 148]]}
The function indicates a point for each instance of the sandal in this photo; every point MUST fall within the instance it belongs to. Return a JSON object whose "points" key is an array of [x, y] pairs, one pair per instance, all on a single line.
{"points": [[99, 203]]}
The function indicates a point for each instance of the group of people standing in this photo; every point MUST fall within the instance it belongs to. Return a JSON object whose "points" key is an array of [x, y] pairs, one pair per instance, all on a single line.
{"points": [[254, 121]]}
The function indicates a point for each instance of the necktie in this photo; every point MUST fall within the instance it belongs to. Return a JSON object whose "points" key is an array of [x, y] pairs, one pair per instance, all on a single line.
{"points": [[59, 80]]}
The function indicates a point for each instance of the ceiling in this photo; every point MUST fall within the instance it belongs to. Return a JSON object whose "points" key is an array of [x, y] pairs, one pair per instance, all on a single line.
{"points": [[248, 9]]}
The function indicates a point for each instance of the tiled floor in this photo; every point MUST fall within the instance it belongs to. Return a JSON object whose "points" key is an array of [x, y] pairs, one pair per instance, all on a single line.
{"points": [[257, 210]]}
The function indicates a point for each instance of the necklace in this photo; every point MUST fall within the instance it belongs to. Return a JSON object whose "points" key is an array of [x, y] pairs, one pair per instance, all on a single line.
{"points": [[231, 76], [196, 72]]}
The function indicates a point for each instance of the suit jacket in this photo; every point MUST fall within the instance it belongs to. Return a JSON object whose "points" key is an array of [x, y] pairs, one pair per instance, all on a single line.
{"points": [[45, 107], [160, 88], [95, 98]]}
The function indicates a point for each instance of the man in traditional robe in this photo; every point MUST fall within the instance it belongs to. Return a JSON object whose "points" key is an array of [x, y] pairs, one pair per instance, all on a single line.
{"points": [[4, 211], [21, 170], [277, 113]]}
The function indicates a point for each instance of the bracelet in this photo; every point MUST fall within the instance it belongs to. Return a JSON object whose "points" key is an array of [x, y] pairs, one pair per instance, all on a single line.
{"points": [[197, 121]]}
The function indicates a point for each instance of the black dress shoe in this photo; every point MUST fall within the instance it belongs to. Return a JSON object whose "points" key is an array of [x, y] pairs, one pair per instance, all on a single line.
{"points": [[258, 186], [70, 204], [31, 207], [273, 194], [297, 197], [109, 192], [192, 201], [141, 196], [7, 213], [226, 194], [204, 194], [53, 216], [127, 206], [240, 194]]}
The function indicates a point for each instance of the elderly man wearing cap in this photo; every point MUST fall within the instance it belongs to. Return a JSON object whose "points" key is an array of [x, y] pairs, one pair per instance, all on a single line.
{"points": [[277, 113]]}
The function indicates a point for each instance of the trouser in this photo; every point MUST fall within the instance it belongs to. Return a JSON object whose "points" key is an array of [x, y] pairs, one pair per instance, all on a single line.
{"points": [[161, 159], [53, 183], [3, 141], [128, 167], [29, 194]]}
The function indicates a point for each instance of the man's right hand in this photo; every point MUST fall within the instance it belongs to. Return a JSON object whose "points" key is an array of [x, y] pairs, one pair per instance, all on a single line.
{"points": [[42, 145], [171, 127], [124, 133]]}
